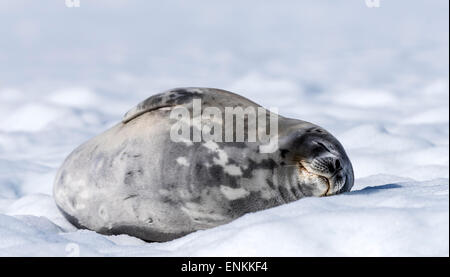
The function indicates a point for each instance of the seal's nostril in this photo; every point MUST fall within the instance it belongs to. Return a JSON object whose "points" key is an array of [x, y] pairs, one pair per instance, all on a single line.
{"points": [[334, 166], [337, 164], [330, 166]]}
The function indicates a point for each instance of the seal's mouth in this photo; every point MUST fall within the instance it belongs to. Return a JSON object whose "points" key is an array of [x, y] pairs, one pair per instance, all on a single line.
{"points": [[307, 174]]}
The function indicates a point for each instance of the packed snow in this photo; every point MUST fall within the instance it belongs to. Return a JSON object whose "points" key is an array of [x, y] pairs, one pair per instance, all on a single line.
{"points": [[376, 78]]}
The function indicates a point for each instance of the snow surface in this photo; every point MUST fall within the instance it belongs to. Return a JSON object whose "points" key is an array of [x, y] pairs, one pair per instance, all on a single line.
{"points": [[377, 78]]}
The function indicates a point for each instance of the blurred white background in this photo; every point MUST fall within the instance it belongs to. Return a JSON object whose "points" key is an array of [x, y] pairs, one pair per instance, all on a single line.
{"points": [[377, 78]]}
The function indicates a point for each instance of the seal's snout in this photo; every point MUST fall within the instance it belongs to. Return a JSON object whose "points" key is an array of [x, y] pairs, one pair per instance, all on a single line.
{"points": [[321, 155], [327, 166], [339, 179]]}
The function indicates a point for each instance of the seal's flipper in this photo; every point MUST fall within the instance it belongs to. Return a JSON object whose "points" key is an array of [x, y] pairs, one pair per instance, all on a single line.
{"points": [[169, 98]]}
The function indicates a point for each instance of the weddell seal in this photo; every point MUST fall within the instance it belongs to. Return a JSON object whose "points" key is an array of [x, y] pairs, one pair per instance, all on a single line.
{"points": [[172, 166]]}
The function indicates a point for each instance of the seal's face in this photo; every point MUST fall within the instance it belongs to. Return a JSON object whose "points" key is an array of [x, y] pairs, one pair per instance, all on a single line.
{"points": [[323, 167]]}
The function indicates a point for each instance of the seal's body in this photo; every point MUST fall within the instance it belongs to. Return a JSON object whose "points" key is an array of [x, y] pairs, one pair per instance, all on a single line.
{"points": [[135, 179]]}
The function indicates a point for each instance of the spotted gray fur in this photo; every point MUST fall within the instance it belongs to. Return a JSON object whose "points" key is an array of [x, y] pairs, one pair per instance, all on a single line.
{"points": [[132, 179]]}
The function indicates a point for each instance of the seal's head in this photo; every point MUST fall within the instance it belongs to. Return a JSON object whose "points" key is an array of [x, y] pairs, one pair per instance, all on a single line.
{"points": [[319, 162]]}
